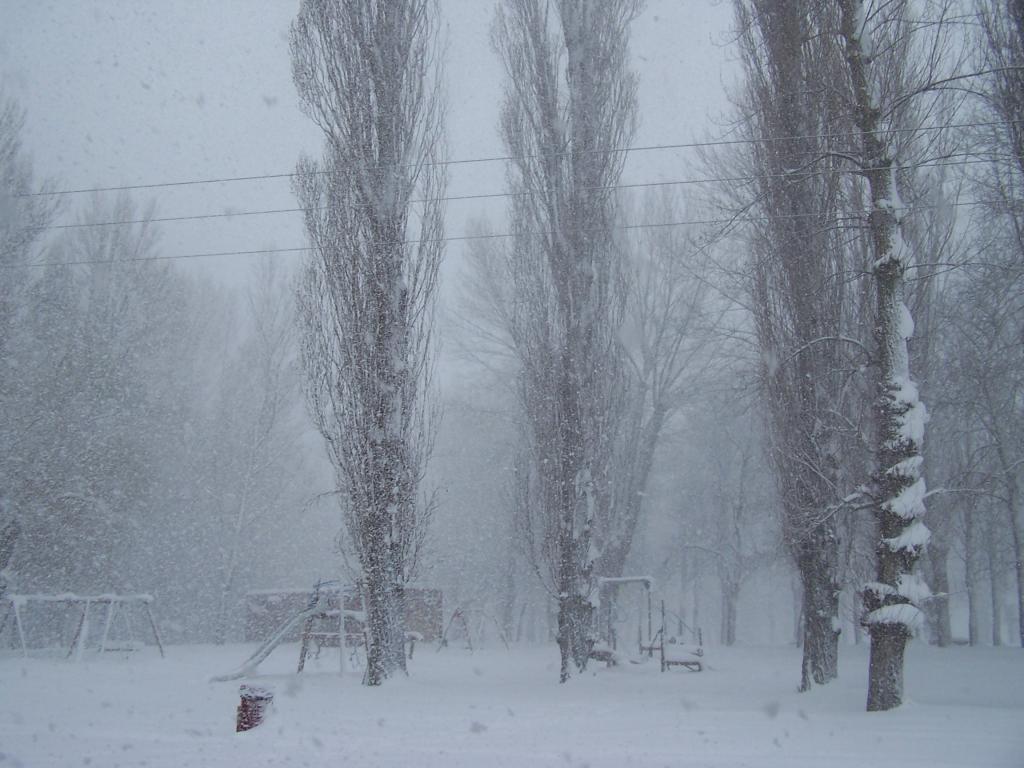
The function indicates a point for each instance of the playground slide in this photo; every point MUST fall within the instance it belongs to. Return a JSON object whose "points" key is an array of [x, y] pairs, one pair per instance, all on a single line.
{"points": [[251, 664]]}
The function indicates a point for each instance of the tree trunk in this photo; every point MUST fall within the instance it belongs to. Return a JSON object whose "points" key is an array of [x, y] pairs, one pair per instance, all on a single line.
{"points": [[377, 652], [574, 643], [730, 595], [1014, 515], [8, 538], [380, 656], [386, 639], [508, 599], [1019, 570], [997, 609], [898, 413], [798, 612], [820, 636], [897, 545], [397, 626], [858, 612], [938, 606], [993, 586], [972, 577], [885, 673], [575, 569]]}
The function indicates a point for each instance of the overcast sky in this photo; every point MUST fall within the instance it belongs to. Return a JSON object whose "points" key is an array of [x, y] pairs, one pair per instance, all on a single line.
{"points": [[141, 91]]}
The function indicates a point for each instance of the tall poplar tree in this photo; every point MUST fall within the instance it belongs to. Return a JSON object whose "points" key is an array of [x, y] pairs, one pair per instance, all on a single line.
{"points": [[367, 74]]}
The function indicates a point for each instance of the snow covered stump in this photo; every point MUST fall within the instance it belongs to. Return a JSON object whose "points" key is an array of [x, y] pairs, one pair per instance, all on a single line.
{"points": [[253, 707]]}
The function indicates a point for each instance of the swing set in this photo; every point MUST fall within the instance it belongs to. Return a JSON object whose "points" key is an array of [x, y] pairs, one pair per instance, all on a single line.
{"points": [[117, 610], [671, 651]]}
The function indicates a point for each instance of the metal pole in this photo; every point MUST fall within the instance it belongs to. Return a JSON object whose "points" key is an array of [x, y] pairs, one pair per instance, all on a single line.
{"points": [[341, 630], [110, 618], [664, 666], [650, 633], [156, 633], [83, 631], [21, 629]]}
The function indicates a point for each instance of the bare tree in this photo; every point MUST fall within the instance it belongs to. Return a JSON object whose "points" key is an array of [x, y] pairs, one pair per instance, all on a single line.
{"points": [[803, 292], [665, 337], [366, 73], [890, 61], [569, 100], [96, 409], [731, 482], [989, 333], [936, 238], [996, 284], [22, 219]]}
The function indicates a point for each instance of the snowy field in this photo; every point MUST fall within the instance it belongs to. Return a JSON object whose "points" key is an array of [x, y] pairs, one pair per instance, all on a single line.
{"points": [[498, 708]]}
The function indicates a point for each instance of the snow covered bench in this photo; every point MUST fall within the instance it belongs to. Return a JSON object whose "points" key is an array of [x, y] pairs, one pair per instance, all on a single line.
{"points": [[675, 654], [602, 652]]}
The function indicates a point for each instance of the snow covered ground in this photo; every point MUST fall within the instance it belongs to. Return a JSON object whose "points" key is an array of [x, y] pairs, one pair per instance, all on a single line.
{"points": [[499, 708]]}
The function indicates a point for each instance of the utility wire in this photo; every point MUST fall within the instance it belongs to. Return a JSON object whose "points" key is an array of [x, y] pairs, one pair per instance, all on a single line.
{"points": [[486, 236], [946, 162], [508, 158]]}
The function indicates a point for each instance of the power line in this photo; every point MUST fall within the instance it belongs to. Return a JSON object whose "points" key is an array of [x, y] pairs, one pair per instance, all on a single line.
{"points": [[463, 238], [508, 158], [496, 195]]}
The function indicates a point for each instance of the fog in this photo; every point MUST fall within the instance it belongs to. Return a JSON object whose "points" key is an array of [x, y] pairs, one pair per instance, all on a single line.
{"points": [[718, 302], [123, 94]]}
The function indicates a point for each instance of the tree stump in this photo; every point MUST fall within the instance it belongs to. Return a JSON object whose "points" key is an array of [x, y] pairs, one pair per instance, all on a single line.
{"points": [[253, 707]]}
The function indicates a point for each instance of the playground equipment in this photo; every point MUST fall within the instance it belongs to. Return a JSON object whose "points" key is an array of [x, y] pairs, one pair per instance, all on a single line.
{"points": [[324, 607], [609, 612], [332, 610], [462, 618], [671, 650], [118, 607]]}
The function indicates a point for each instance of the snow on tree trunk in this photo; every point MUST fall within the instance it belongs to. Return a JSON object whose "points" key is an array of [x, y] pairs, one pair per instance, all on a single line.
{"points": [[899, 489]]}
